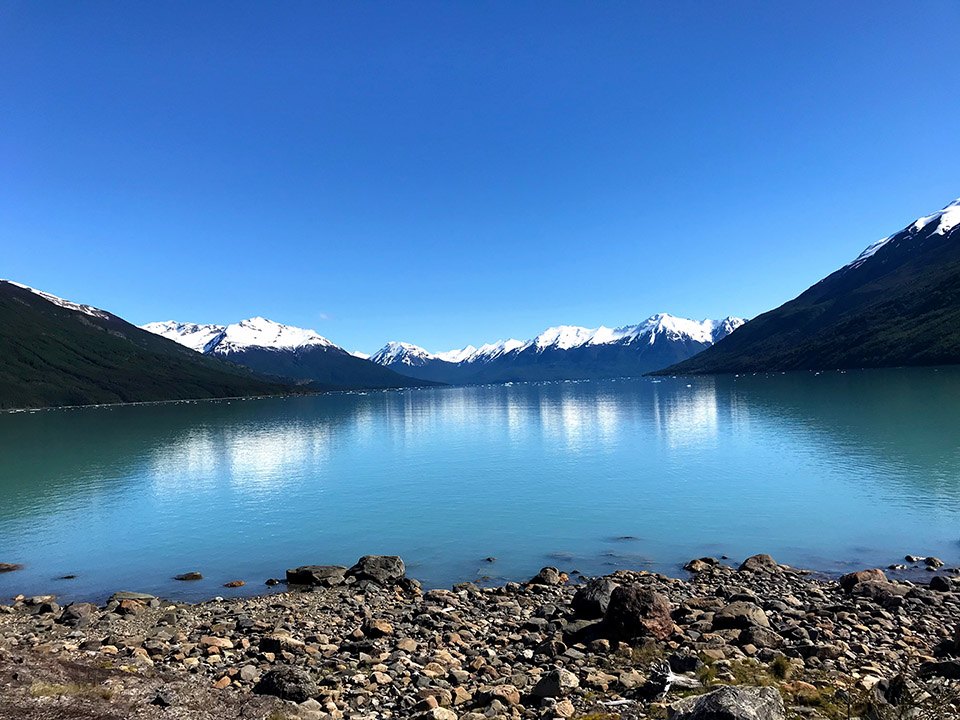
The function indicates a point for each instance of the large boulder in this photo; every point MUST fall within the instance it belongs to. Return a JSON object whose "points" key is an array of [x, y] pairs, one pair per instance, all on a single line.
{"points": [[638, 612], [740, 615], [760, 563], [381, 569], [849, 581], [324, 575], [591, 600], [287, 683], [731, 703]]}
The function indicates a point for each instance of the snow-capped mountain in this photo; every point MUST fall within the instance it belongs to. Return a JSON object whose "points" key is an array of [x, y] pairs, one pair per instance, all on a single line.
{"points": [[281, 350], [896, 304], [563, 352]]}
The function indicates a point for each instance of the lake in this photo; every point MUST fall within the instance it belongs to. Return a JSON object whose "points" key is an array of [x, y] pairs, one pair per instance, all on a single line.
{"points": [[828, 471]]}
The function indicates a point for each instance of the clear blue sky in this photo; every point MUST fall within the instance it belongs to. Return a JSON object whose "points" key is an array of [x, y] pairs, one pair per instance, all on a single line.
{"points": [[458, 172]]}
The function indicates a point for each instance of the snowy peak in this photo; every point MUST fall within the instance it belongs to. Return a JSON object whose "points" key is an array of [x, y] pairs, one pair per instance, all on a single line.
{"points": [[67, 304], [659, 327], [256, 332], [562, 337], [403, 353], [940, 223], [455, 356], [259, 332], [201, 338]]}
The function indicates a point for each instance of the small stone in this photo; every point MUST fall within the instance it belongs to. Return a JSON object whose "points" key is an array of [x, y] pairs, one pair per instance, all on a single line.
{"points": [[234, 584], [374, 628], [222, 683], [322, 575], [189, 576]]}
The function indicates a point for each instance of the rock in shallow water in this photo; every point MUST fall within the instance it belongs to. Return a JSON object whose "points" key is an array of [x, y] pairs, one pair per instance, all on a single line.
{"points": [[324, 575], [381, 569], [10, 567]]}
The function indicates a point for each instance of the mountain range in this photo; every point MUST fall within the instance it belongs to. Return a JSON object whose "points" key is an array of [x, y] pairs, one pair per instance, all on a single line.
{"points": [[57, 352], [565, 352], [283, 351], [895, 304]]}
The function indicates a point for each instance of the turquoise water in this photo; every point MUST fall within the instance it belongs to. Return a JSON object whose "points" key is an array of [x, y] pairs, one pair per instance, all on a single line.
{"points": [[826, 471]]}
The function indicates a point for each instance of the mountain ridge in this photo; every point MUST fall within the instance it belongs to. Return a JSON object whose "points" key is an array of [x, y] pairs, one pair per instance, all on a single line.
{"points": [[563, 352], [57, 352], [284, 351], [896, 304]]}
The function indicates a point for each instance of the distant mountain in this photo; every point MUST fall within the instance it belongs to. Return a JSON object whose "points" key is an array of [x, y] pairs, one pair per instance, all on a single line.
{"points": [[58, 352], [283, 351], [563, 353], [897, 303]]}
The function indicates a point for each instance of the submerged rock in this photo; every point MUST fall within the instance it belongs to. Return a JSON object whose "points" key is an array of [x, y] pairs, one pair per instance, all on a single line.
{"points": [[189, 576], [10, 567]]}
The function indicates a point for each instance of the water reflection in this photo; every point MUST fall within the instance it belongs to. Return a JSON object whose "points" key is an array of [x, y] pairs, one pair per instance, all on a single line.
{"points": [[448, 475]]}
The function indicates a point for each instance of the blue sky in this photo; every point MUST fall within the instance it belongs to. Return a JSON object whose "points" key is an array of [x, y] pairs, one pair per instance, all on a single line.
{"points": [[448, 172]]}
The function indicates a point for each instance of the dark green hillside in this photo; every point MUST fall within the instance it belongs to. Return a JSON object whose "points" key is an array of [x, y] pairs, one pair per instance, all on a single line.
{"points": [[51, 355], [898, 307]]}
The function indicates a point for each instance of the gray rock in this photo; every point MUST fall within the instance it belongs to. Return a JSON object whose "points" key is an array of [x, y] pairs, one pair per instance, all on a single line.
{"points": [[849, 581], [287, 683], [381, 569], [940, 584], [556, 683], [547, 576], [760, 563], [78, 614], [740, 615], [637, 612], [591, 600], [731, 703], [324, 575], [126, 595]]}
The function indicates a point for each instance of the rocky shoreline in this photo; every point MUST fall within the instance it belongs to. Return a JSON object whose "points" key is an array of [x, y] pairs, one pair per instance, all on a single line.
{"points": [[761, 641]]}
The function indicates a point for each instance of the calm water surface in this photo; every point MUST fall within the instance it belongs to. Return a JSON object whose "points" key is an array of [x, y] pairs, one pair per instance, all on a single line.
{"points": [[826, 471]]}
